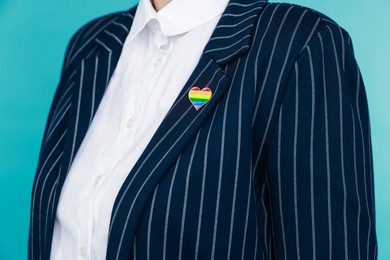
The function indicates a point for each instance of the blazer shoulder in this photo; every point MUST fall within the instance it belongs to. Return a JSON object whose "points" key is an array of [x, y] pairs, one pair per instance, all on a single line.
{"points": [[290, 27], [293, 15]]}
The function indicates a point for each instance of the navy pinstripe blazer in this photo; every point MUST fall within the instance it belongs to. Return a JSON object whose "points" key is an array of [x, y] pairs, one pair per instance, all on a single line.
{"points": [[276, 166]]}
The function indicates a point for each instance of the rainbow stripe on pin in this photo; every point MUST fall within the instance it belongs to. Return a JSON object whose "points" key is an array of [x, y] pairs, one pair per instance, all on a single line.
{"points": [[199, 97]]}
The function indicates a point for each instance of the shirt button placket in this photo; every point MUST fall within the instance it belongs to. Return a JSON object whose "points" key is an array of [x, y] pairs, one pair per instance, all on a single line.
{"points": [[130, 123], [83, 252], [97, 180], [157, 63]]}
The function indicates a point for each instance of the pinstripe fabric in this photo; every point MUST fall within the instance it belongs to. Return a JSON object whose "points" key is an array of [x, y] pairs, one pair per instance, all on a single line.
{"points": [[277, 165]]}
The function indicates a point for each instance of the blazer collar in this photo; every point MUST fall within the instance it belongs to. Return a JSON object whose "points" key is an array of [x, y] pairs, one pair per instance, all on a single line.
{"points": [[232, 36], [112, 38], [230, 39]]}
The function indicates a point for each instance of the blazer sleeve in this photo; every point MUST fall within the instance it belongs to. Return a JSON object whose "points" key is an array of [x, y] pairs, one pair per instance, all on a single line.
{"points": [[55, 105], [319, 168]]}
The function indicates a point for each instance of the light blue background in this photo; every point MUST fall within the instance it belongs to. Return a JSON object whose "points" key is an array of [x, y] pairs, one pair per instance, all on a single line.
{"points": [[33, 37]]}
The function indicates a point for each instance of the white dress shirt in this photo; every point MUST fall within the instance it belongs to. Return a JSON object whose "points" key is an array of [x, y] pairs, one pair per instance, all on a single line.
{"points": [[159, 55]]}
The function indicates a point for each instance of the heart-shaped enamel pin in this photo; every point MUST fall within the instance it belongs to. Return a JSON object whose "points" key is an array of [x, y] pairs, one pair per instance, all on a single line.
{"points": [[199, 97]]}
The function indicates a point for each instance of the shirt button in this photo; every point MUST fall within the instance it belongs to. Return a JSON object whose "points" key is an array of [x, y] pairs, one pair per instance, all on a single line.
{"points": [[97, 180], [83, 251], [157, 62], [130, 123]]}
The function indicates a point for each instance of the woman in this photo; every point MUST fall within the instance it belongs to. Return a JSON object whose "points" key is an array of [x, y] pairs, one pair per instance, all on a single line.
{"points": [[198, 130]]}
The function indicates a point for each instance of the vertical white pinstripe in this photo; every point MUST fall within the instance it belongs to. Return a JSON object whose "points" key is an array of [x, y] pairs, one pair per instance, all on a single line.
{"points": [[222, 157], [356, 183], [272, 237], [257, 234], [48, 208], [77, 114], [72, 46], [270, 63], [135, 249], [342, 47], [108, 68], [341, 145], [62, 112], [250, 190], [92, 52], [313, 86], [94, 89], [41, 200], [150, 223], [280, 184], [309, 38], [250, 176], [168, 208], [237, 161], [183, 216], [328, 174], [58, 110], [203, 186], [327, 148], [255, 69], [55, 190], [266, 231], [39, 175], [270, 20], [295, 160], [364, 159]]}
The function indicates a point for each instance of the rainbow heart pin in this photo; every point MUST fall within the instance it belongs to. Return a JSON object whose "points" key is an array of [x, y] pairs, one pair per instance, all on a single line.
{"points": [[199, 97]]}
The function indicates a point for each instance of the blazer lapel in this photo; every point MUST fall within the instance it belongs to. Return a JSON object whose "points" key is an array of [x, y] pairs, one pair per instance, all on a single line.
{"points": [[230, 40], [93, 64]]}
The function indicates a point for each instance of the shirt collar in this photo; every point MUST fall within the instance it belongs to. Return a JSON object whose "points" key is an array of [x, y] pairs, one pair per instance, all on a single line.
{"points": [[177, 17]]}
